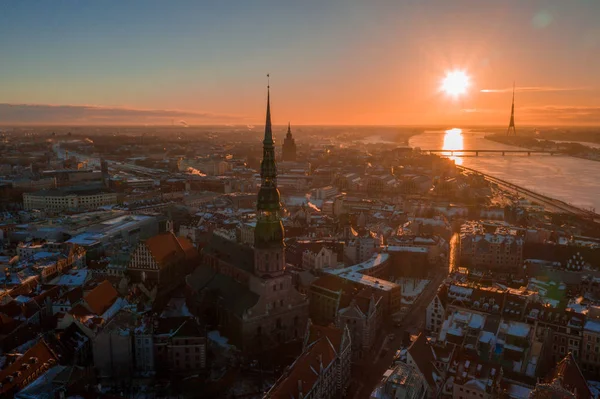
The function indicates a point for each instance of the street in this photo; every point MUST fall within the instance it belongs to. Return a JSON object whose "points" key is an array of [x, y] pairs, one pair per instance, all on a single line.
{"points": [[370, 373]]}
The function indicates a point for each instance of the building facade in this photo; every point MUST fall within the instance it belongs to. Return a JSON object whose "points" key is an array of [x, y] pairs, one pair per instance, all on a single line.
{"points": [[161, 260], [63, 200], [289, 147], [363, 318], [500, 250], [321, 259], [322, 370], [436, 311]]}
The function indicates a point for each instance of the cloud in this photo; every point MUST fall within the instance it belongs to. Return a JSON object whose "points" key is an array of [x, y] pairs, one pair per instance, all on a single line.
{"points": [[91, 114], [533, 89], [566, 113]]}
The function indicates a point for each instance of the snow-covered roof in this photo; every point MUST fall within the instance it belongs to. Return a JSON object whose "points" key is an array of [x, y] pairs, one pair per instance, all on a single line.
{"points": [[74, 278], [519, 329], [592, 325]]}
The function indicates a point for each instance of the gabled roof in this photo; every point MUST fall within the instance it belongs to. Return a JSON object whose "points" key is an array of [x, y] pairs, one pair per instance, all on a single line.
{"points": [[333, 334], [320, 353], [38, 357], [423, 355], [190, 328], [565, 376], [164, 248], [169, 325], [188, 248], [101, 298]]}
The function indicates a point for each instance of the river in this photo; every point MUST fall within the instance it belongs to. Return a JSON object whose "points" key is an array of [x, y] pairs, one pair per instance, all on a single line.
{"points": [[572, 180]]}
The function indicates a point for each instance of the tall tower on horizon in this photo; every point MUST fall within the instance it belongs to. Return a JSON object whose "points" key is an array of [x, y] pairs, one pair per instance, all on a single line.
{"points": [[512, 131], [289, 146], [269, 248]]}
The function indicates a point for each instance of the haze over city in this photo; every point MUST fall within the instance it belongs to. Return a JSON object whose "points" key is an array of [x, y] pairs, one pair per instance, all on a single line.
{"points": [[338, 62], [300, 199]]}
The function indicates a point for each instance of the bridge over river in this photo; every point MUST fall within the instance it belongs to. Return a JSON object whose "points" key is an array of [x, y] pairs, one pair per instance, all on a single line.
{"points": [[476, 152]]}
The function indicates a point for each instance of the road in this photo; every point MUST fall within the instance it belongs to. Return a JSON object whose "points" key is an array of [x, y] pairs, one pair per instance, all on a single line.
{"points": [[369, 374], [454, 253]]}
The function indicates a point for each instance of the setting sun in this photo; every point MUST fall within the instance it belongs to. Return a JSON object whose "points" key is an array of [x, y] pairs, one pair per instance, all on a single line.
{"points": [[455, 83]]}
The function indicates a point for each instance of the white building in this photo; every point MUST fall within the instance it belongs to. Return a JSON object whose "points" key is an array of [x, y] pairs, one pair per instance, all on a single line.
{"points": [[29, 249], [319, 260], [361, 249], [435, 311], [68, 200]]}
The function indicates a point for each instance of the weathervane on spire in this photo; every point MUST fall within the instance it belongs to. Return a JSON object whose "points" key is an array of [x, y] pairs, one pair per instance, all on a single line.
{"points": [[268, 81]]}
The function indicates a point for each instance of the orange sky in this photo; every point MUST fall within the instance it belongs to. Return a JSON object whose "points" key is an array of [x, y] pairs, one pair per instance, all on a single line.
{"points": [[343, 62]]}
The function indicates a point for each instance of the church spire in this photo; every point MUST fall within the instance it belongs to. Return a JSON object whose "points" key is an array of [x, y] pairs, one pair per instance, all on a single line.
{"points": [[268, 169], [268, 130], [269, 257]]}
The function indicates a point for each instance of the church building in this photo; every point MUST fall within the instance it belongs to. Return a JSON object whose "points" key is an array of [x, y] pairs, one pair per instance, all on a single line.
{"points": [[256, 304]]}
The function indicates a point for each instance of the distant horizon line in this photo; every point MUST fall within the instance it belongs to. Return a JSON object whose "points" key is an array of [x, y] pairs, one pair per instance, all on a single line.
{"points": [[285, 125]]}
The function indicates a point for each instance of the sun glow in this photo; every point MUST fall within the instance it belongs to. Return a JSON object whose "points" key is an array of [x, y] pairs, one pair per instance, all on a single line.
{"points": [[453, 141], [456, 83]]}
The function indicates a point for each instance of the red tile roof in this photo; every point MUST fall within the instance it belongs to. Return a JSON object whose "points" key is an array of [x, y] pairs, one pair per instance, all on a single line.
{"points": [[188, 248], [333, 334], [35, 361], [304, 372], [101, 298], [165, 248]]}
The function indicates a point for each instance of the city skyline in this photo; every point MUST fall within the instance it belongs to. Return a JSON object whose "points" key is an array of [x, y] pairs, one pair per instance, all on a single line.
{"points": [[340, 63]]}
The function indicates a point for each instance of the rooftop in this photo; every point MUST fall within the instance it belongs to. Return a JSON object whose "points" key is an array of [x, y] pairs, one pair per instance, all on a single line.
{"points": [[376, 260]]}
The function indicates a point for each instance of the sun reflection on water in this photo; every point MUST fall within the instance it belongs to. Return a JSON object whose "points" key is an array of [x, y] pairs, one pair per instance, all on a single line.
{"points": [[453, 141]]}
